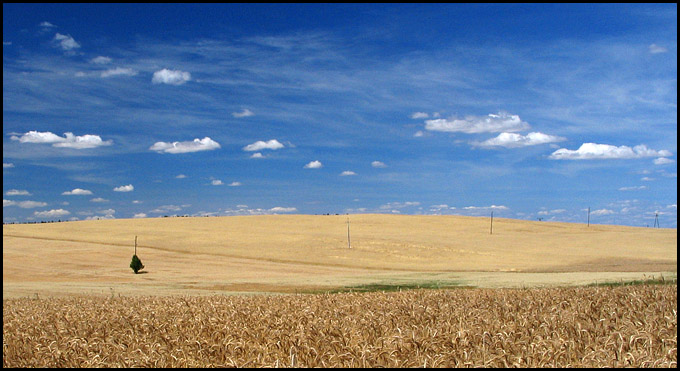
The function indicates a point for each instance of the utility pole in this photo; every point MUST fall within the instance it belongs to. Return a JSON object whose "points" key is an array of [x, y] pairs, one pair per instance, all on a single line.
{"points": [[491, 230], [656, 220]]}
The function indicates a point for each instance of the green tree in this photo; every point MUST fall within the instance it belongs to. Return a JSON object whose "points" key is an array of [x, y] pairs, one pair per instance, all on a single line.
{"points": [[136, 264]]}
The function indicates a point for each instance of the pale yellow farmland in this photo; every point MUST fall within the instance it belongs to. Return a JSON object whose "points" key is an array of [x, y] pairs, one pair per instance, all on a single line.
{"points": [[301, 253]]}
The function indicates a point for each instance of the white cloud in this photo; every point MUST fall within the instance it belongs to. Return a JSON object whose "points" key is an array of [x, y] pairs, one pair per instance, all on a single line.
{"points": [[47, 25], [171, 77], [51, 213], [419, 115], [66, 42], [244, 113], [378, 164], [279, 209], [6, 165], [591, 151], [257, 155], [513, 140], [638, 188], [23, 204], [99, 200], [77, 192], [140, 215], [165, 209], [260, 145], [492, 123], [314, 165], [347, 173], [656, 49], [419, 134], [216, 182], [181, 176], [663, 161], [118, 71], [602, 212], [647, 179], [124, 188], [492, 207], [235, 184], [68, 141], [17, 192], [399, 205], [205, 144], [103, 214], [100, 60]]}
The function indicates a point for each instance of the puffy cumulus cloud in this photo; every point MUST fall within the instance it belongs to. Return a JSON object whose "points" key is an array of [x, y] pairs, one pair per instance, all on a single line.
{"points": [[347, 173], [492, 123], [139, 215], [257, 155], [124, 188], [99, 200], [51, 213], [314, 165], [118, 71], [17, 192], [514, 140], [378, 164], [67, 141], [171, 77], [205, 144], [66, 42], [594, 151], [235, 184], [244, 113], [77, 192], [260, 145], [216, 182]]}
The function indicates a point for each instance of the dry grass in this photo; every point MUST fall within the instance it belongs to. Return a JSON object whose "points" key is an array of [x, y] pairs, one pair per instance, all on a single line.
{"points": [[562, 327], [285, 253]]}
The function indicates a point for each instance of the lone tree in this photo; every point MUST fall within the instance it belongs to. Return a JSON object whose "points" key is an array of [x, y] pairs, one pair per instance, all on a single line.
{"points": [[136, 264]]}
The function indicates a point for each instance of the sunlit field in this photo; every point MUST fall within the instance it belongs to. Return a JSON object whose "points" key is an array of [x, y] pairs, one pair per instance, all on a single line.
{"points": [[302, 253]]}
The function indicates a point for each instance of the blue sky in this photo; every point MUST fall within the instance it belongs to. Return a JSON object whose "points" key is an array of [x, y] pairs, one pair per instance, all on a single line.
{"points": [[529, 111]]}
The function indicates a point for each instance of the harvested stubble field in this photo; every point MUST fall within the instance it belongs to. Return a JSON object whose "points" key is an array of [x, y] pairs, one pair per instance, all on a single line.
{"points": [[561, 327], [303, 253]]}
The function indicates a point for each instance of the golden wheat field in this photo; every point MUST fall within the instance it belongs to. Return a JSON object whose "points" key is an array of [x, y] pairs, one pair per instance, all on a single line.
{"points": [[293, 253], [621, 326]]}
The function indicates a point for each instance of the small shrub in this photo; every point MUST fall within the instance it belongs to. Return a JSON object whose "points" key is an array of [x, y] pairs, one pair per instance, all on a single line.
{"points": [[136, 264]]}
